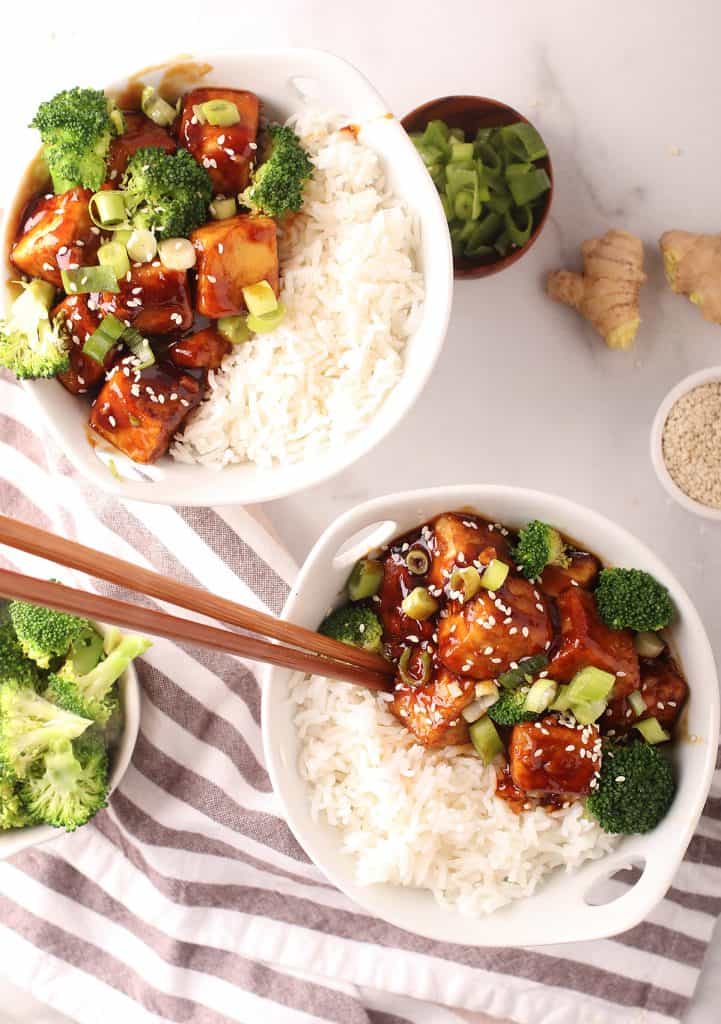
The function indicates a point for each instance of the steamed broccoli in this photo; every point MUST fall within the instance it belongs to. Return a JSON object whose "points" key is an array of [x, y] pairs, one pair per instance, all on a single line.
{"points": [[76, 127], [636, 789], [71, 786], [12, 812], [277, 184], [90, 694], [356, 625], [510, 708], [14, 666], [45, 634], [30, 725], [633, 599], [30, 345], [539, 545], [168, 193]]}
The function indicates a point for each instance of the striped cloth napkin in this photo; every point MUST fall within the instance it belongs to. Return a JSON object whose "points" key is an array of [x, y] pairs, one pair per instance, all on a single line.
{"points": [[188, 899]]}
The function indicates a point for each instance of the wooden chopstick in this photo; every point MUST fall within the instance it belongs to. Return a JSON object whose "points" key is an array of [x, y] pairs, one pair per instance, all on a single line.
{"points": [[148, 620], [134, 577]]}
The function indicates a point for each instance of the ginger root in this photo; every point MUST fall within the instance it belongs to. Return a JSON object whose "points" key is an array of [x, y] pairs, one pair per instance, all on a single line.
{"points": [[606, 294], [693, 267]]}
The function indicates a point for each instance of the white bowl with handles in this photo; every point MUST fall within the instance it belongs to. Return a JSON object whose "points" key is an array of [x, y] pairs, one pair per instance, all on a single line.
{"points": [[284, 79], [17, 839], [559, 910]]}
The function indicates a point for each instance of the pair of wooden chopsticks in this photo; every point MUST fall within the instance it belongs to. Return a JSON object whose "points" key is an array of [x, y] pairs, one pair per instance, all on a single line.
{"points": [[294, 647]]}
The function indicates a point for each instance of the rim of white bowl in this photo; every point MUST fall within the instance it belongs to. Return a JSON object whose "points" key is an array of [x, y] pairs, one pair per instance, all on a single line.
{"points": [[683, 387]]}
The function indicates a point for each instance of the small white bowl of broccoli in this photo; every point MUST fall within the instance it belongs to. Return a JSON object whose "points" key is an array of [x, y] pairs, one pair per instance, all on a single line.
{"points": [[69, 719]]}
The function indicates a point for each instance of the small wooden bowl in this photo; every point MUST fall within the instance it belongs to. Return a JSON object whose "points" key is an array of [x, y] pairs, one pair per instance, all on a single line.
{"points": [[471, 113]]}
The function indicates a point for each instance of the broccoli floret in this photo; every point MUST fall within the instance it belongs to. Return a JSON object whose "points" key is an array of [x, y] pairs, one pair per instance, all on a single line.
{"points": [[30, 345], [13, 814], [45, 634], [277, 184], [633, 599], [539, 545], [30, 725], [14, 666], [356, 625], [510, 708], [71, 786], [91, 694], [168, 193], [76, 127], [635, 790]]}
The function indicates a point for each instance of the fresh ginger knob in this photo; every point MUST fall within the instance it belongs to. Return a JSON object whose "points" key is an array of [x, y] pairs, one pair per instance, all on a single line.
{"points": [[693, 267], [607, 291]]}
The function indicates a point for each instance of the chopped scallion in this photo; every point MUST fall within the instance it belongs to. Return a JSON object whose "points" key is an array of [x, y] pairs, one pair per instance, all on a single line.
{"points": [[220, 113], [267, 323], [365, 580], [156, 108], [260, 298], [114, 255], [419, 604], [142, 246], [223, 207], [107, 209], [103, 338], [234, 329], [140, 347], [83, 280], [652, 731]]}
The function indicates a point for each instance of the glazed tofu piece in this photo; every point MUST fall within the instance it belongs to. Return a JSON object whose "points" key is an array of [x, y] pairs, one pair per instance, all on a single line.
{"points": [[57, 235], [461, 539], [586, 640], [225, 152], [547, 757], [399, 630], [489, 633], [232, 254], [139, 412], [154, 300], [432, 712], [582, 572], [204, 350], [664, 690], [140, 132], [84, 373]]}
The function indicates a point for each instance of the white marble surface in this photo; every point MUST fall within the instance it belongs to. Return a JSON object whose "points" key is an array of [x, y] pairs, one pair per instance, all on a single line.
{"points": [[627, 96]]}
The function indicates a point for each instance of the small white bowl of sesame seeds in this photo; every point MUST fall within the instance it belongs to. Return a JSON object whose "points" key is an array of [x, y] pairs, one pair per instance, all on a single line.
{"points": [[686, 443]]}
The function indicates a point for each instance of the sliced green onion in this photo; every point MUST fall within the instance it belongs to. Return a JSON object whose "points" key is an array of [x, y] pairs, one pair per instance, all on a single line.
{"points": [[561, 702], [107, 209], [142, 246], [199, 115], [418, 561], [638, 704], [404, 673], [588, 711], [115, 255], [220, 113], [117, 119], [519, 224], [83, 280], [365, 580], [541, 695], [419, 604], [648, 645], [269, 322], [591, 684], [491, 160], [524, 673], [461, 151], [177, 253], [527, 187], [456, 133], [487, 228], [486, 696], [474, 711], [494, 575], [502, 244], [260, 298], [140, 347], [463, 205], [500, 202], [234, 329], [156, 108], [485, 739], [523, 141], [223, 207], [466, 582], [652, 731], [103, 338], [122, 235]]}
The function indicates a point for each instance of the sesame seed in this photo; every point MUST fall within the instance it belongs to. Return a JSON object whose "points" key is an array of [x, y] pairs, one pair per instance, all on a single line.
{"points": [[112, 421], [620, 778], [525, 631], [570, 748]]}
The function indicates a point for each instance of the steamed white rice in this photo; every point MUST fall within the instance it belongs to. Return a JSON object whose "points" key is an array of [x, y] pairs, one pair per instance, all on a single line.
{"points": [[426, 818], [353, 293]]}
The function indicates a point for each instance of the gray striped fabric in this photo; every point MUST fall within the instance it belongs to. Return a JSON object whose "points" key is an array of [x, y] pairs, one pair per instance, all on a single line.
{"points": [[190, 900]]}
